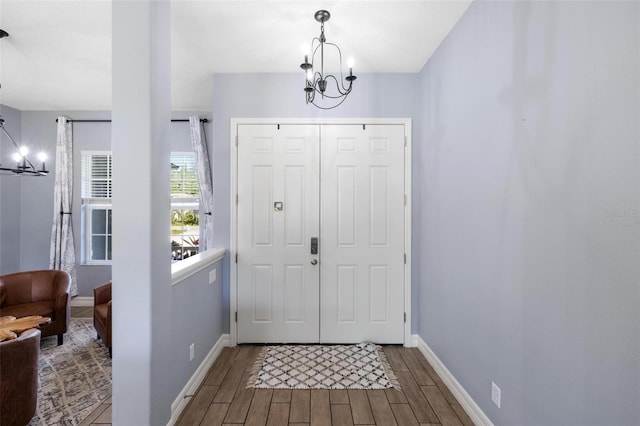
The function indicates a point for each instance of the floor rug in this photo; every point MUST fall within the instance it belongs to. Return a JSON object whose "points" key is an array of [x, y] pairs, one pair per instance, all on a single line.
{"points": [[73, 378], [362, 366]]}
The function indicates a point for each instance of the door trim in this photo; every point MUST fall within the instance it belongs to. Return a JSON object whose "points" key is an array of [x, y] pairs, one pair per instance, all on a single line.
{"points": [[233, 218]]}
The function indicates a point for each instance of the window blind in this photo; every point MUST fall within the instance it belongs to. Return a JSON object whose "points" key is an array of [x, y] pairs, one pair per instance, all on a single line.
{"points": [[184, 177], [96, 175]]}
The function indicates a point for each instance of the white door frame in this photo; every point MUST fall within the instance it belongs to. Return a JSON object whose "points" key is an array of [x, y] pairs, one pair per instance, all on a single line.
{"points": [[233, 268]]}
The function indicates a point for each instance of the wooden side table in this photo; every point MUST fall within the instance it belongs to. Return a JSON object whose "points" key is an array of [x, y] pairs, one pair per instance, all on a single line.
{"points": [[10, 326]]}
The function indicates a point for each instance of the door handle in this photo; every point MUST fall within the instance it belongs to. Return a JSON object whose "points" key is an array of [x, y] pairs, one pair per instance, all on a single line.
{"points": [[314, 245], [314, 261]]}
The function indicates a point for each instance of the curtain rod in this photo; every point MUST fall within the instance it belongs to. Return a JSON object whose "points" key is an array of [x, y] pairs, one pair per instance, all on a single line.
{"points": [[202, 120]]}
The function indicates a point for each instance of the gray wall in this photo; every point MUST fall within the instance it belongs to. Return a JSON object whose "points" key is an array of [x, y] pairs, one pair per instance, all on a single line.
{"points": [[36, 194], [26, 210], [9, 195], [197, 318], [281, 96], [40, 128], [530, 212]]}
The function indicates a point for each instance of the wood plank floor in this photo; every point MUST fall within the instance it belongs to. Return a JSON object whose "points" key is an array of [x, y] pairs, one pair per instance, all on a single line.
{"points": [[82, 312], [223, 399]]}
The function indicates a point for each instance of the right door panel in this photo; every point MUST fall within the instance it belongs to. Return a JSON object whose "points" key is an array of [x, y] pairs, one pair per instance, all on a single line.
{"points": [[362, 234]]}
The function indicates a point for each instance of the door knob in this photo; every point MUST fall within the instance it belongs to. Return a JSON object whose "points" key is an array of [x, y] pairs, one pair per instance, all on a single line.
{"points": [[314, 261]]}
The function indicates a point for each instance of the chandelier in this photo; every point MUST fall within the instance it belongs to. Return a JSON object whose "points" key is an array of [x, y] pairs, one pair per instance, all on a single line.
{"points": [[316, 81], [22, 166]]}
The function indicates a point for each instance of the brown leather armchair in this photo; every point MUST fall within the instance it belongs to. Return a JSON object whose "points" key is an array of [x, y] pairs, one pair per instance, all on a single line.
{"points": [[43, 293], [102, 313], [19, 378]]}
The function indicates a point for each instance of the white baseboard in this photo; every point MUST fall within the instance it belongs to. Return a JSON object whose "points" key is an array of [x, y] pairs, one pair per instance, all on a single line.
{"points": [[413, 341], [196, 379], [82, 301], [468, 404]]}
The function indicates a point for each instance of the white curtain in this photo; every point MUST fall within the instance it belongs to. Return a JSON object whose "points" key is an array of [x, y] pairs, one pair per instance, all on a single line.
{"points": [[199, 145], [62, 254]]}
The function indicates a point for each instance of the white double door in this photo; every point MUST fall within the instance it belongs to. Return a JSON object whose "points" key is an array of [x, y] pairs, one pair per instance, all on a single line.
{"points": [[320, 233]]}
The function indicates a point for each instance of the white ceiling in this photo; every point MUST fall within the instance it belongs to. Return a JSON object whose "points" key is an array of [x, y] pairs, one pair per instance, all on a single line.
{"points": [[58, 53]]}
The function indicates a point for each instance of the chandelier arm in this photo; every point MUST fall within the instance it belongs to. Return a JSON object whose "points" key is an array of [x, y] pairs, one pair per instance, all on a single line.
{"points": [[32, 169], [331, 107], [311, 96], [340, 57], [314, 50], [345, 93], [9, 171], [325, 95], [314, 85], [313, 57], [313, 41]]}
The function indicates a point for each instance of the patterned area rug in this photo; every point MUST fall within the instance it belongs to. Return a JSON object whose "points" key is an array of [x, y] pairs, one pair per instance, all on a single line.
{"points": [[362, 366], [73, 378]]}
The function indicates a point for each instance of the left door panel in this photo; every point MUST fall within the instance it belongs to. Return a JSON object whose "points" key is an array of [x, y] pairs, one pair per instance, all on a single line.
{"points": [[278, 208]]}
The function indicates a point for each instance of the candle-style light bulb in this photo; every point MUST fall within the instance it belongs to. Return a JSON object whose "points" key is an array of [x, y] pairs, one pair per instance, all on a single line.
{"points": [[42, 157], [24, 151], [20, 159]]}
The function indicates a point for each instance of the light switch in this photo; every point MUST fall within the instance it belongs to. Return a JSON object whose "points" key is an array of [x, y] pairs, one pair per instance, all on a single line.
{"points": [[212, 277]]}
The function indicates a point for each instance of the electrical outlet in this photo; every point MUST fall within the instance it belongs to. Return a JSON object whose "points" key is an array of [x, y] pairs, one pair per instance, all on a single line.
{"points": [[191, 352], [213, 276], [495, 394]]}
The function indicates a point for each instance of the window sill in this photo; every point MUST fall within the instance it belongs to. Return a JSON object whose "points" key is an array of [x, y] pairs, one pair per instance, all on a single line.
{"points": [[185, 268]]}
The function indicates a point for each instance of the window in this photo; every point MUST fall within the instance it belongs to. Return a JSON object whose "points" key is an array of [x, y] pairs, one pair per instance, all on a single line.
{"points": [[185, 206], [96, 206]]}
